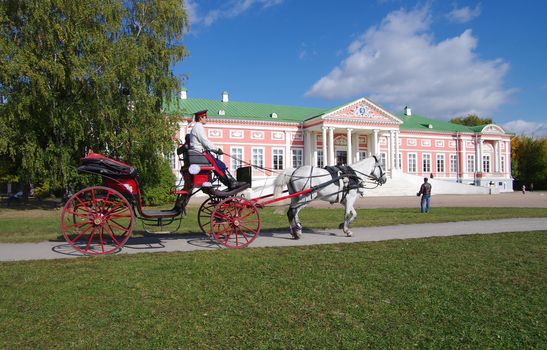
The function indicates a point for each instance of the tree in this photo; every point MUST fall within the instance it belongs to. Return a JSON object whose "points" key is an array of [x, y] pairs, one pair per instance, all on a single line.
{"points": [[471, 120], [87, 75], [529, 161]]}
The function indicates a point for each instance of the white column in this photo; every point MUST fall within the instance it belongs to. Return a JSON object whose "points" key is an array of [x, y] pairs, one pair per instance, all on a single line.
{"points": [[508, 159], [355, 148], [496, 156], [463, 157], [325, 154], [349, 158], [391, 148], [480, 156], [477, 154], [307, 150], [397, 160], [288, 155], [331, 147], [313, 138], [375, 142]]}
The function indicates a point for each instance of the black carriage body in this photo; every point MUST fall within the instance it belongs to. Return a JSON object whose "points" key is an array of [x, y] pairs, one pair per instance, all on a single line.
{"points": [[117, 175]]}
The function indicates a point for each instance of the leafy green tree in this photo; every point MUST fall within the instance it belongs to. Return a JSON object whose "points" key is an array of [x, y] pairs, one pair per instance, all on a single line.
{"points": [[87, 75], [529, 162], [471, 120]]}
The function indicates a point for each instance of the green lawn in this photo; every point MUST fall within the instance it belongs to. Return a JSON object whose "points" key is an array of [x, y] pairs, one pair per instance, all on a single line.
{"points": [[17, 225], [473, 292]]}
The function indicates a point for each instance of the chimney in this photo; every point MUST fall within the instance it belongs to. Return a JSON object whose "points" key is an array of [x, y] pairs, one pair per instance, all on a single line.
{"points": [[183, 95], [407, 111], [225, 96]]}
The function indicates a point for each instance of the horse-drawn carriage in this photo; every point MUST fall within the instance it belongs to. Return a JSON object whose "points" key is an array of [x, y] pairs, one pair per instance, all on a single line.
{"points": [[100, 219]]}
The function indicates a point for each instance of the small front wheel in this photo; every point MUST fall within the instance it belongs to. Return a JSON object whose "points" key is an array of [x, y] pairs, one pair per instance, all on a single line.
{"points": [[97, 220], [204, 214], [235, 222]]}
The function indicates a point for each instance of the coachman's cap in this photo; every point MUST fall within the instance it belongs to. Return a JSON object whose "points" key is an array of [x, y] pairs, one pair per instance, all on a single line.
{"points": [[200, 114]]}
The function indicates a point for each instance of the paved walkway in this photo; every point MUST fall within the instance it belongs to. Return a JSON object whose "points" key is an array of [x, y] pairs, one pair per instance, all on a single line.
{"points": [[172, 243]]}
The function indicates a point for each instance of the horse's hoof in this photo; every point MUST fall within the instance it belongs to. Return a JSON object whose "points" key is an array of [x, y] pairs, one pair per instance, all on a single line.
{"points": [[296, 234], [349, 233]]}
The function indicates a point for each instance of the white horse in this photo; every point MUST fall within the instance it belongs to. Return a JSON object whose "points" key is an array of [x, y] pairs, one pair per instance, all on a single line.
{"points": [[319, 183]]}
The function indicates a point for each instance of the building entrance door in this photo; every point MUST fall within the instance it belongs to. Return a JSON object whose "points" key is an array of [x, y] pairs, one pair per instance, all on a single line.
{"points": [[341, 157]]}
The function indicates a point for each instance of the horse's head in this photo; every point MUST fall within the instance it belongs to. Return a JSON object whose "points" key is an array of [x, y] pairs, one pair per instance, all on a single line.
{"points": [[370, 170], [378, 172]]}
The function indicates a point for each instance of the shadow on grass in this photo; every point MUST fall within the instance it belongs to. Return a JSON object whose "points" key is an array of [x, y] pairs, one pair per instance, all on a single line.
{"points": [[30, 203]]}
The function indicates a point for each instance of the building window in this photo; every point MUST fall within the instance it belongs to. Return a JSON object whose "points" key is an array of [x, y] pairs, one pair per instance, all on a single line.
{"points": [[486, 163], [453, 163], [297, 157], [400, 160], [426, 163], [470, 163], [278, 159], [320, 159], [237, 156], [172, 160], [258, 157], [439, 143], [361, 155], [383, 160], [502, 164], [412, 163], [440, 163]]}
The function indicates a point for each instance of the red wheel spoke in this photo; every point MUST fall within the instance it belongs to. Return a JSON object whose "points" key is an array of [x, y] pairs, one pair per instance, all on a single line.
{"points": [[81, 234], [244, 236], [77, 225], [112, 235], [249, 229], [90, 239]]}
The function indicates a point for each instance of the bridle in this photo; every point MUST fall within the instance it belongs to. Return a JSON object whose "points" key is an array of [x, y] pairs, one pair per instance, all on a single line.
{"points": [[372, 178]]}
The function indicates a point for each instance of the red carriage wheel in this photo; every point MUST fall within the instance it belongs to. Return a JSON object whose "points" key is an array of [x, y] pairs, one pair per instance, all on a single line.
{"points": [[235, 222], [97, 220], [204, 214]]}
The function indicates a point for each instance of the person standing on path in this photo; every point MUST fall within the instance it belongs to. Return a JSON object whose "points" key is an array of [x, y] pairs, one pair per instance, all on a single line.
{"points": [[425, 191]]}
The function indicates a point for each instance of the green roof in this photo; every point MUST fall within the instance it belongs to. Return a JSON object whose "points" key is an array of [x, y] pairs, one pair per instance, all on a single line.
{"points": [[243, 110], [258, 111], [420, 123]]}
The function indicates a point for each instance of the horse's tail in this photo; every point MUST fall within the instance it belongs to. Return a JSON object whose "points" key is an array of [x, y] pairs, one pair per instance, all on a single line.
{"points": [[281, 181]]}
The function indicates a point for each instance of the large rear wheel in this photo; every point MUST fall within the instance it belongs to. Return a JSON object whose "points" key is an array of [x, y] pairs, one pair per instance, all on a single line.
{"points": [[97, 220], [235, 222], [204, 214]]}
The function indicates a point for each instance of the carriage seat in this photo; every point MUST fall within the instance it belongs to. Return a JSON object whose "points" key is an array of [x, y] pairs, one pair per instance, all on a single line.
{"points": [[98, 164]]}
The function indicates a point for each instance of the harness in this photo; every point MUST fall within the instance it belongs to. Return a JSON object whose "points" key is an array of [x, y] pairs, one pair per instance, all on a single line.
{"points": [[347, 179]]}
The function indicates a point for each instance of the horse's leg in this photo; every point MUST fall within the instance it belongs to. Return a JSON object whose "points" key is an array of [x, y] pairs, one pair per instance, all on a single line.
{"points": [[294, 220], [349, 212]]}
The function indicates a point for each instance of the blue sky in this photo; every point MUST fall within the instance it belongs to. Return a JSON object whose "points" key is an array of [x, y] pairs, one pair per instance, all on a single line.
{"points": [[442, 58]]}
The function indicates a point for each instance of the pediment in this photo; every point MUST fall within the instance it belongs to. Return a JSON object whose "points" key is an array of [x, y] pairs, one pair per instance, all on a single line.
{"points": [[364, 111], [493, 129]]}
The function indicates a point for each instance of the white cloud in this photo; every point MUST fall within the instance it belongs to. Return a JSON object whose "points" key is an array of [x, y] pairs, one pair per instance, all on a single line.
{"points": [[229, 9], [398, 63], [464, 14], [522, 127]]}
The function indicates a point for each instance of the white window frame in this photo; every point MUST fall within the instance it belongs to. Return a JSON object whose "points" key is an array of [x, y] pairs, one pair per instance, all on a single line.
{"points": [[486, 163], [440, 164], [297, 157], [453, 163], [320, 159], [237, 157], [257, 156], [426, 163], [502, 164], [383, 159], [470, 163], [412, 162], [400, 160], [278, 153]]}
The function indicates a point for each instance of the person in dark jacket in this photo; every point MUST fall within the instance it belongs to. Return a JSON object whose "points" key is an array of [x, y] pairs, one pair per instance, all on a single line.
{"points": [[425, 191]]}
